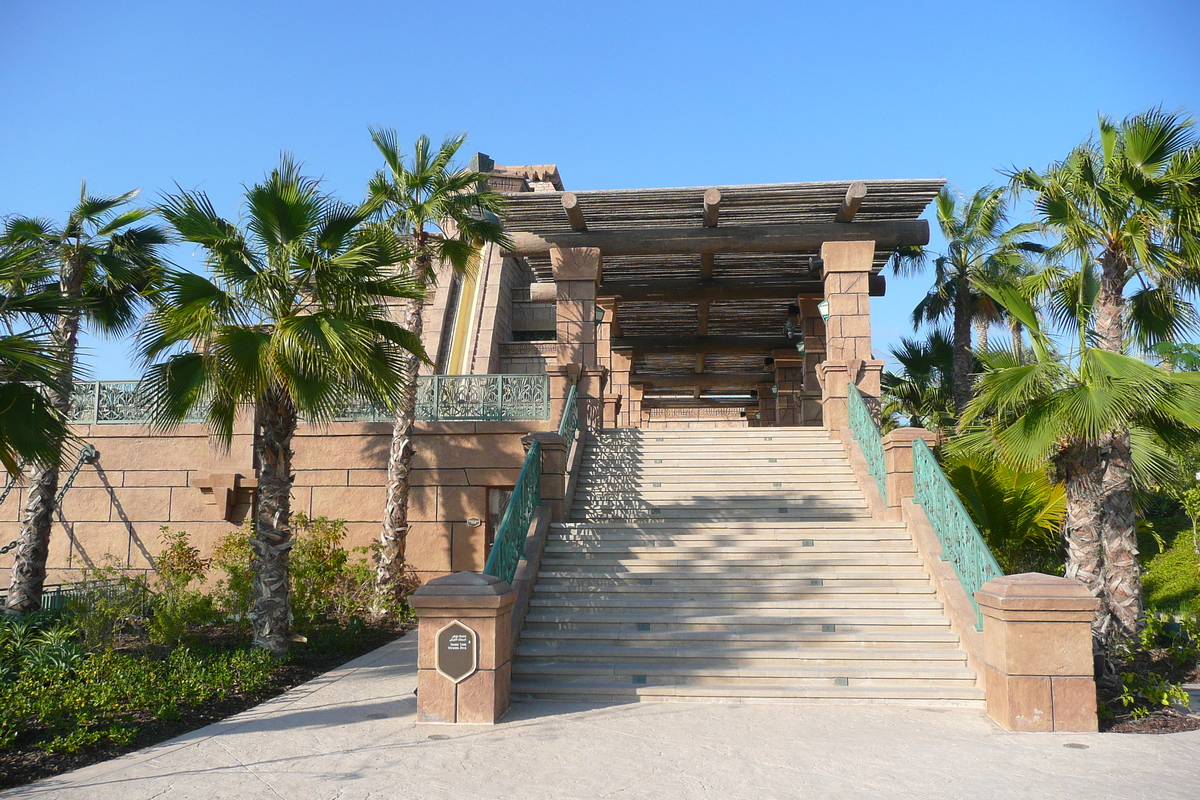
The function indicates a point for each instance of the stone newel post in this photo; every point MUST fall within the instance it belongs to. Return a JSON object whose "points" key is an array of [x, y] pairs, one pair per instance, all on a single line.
{"points": [[898, 461], [464, 648], [1037, 642]]}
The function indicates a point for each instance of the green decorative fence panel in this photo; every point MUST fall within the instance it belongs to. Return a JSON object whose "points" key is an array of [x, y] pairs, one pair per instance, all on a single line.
{"points": [[870, 440], [962, 544], [509, 545], [445, 398]]}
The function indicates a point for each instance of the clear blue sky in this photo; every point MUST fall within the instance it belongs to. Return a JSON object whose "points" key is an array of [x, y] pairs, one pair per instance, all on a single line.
{"points": [[635, 94]]}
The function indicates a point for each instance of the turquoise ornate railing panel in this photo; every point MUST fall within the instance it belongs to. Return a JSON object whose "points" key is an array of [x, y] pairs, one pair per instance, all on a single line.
{"points": [[509, 545], [962, 544], [448, 398], [570, 418], [867, 434]]}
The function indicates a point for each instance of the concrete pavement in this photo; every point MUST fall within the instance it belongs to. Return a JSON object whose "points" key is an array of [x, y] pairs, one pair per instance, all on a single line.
{"points": [[352, 734]]}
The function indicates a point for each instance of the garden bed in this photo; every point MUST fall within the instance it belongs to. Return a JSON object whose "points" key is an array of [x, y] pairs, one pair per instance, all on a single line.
{"points": [[328, 647]]}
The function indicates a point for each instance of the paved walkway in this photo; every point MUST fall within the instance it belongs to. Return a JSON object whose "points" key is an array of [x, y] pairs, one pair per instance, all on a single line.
{"points": [[353, 734]]}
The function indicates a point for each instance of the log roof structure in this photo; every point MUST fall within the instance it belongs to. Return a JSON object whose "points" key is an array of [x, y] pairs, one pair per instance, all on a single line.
{"points": [[702, 278]]}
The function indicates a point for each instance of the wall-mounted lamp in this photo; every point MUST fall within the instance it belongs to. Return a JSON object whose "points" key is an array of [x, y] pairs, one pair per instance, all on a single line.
{"points": [[599, 314], [823, 309]]}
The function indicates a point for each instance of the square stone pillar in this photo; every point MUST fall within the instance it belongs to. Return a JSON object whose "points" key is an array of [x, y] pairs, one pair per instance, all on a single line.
{"points": [[576, 273], [554, 470], [622, 364], [789, 382], [766, 405], [848, 329], [1037, 642], [632, 410], [483, 604], [898, 461], [834, 377]]}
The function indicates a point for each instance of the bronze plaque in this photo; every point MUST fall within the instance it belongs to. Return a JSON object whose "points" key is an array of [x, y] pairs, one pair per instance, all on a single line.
{"points": [[457, 653]]}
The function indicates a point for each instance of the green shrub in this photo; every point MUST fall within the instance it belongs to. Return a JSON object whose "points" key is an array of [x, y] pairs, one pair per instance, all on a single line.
{"points": [[234, 593], [326, 581], [177, 607], [103, 695], [107, 602]]}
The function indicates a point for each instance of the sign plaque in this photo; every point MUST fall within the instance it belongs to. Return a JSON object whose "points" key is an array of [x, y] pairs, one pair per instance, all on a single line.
{"points": [[457, 653]]}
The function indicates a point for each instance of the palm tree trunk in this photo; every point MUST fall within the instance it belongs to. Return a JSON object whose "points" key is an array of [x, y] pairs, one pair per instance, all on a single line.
{"points": [[961, 364], [270, 613], [33, 543], [981, 334], [1081, 469], [393, 534], [1123, 582], [1122, 571]]}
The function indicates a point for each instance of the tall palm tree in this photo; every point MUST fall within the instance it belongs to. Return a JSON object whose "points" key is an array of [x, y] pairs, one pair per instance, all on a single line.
{"points": [[979, 244], [1127, 202], [1060, 411], [31, 429], [920, 394], [106, 263], [294, 321], [445, 215]]}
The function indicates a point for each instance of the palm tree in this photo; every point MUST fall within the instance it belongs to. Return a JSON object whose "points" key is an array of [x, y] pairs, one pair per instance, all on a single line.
{"points": [[979, 244], [31, 429], [294, 321], [1056, 411], [1129, 204], [105, 263], [920, 394], [445, 215]]}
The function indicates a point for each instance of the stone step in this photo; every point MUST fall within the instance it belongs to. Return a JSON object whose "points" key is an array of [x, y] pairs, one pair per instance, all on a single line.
{"points": [[918, 583], [814, 622], [875, 674], [899, 637], [556, 561], [768, 607], [599, 692], [700, 526], [772, 546], [727, 511], [749, 655], [554, 589]]}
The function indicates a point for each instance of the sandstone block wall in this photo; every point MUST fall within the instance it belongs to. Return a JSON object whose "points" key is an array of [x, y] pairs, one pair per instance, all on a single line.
{"points": [[143, 481]]}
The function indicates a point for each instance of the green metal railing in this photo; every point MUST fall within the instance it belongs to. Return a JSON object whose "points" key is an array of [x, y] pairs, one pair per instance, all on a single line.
{"points": [[514, 525], [445, 398], [866, 432], [962, 544], [570, 418]]}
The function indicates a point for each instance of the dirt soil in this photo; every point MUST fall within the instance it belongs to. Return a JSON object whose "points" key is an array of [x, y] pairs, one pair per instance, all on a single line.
{"points": [[25, 765]]}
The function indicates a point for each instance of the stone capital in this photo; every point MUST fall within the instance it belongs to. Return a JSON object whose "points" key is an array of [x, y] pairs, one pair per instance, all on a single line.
{"points": [[575, 263], [848, 256]]}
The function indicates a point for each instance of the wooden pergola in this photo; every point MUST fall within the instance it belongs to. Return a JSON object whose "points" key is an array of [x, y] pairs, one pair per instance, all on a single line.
{"points": [[697, 283]]}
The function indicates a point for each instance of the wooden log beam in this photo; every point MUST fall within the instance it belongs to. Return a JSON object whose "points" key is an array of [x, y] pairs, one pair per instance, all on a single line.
{"points": [[709, 291], [712, 207], [709, 380], [886, 234], [570, 204], [851, 202], [702, 344]]}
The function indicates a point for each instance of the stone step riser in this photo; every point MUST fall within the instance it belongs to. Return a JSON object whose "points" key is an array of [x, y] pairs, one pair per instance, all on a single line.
{"points": [[844, 665], [766, 676], [772, 549], [767, 606], [773, 624], [787, 641], [706, 593]]}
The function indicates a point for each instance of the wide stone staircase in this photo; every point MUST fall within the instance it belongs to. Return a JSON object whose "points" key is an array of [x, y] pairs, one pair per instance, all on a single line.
{"points": [[733, 565]]}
